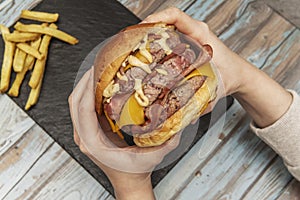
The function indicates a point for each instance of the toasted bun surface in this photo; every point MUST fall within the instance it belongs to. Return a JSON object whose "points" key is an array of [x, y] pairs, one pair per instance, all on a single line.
{"points": [[107, 64], [180, 119]]}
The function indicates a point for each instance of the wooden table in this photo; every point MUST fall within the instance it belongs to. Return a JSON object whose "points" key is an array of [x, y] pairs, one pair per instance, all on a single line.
{"points": [[240, 165]]}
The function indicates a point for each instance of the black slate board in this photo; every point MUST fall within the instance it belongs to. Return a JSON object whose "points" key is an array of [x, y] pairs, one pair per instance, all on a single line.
{"points": [[91, 22]]}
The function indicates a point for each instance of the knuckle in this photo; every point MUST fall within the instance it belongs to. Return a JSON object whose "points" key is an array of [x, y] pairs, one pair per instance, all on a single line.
{"points": [[83, 149], [70, 99], [204, 26], [76, 141], [174, 10]]}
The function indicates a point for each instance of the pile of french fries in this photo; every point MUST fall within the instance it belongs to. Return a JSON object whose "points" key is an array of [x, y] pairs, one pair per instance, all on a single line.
{"points": [[26, 50]]}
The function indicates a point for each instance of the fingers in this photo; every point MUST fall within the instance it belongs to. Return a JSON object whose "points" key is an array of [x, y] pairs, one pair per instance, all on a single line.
{"points": [[77, 93], [184, 23], [89, 96], [88, 122], [79, 90], [76, 137], [87, 132], [74, 99], [173, 142]]}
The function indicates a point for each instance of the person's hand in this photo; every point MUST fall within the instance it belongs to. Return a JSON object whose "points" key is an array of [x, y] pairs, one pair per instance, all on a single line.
{"points": [[128, 167], [264, 99], [227, 62]]}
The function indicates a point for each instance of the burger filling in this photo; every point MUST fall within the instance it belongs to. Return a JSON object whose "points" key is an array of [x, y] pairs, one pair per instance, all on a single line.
{"points": [[154, 81]]}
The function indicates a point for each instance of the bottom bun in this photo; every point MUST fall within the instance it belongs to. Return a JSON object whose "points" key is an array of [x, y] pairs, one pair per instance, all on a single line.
{"points": [[181, 119]]}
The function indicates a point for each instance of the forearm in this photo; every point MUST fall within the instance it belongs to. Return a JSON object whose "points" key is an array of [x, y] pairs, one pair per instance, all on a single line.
{"points": [[262, 97], [142, 191]]}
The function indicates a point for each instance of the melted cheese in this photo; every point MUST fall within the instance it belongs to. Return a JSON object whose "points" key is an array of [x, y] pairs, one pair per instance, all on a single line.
{"points": [[114, 127], [206, 70], [132, 113], [111, 89]]}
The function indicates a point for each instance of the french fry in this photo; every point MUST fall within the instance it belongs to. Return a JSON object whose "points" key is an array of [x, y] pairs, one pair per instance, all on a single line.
{"points": [[29, 62], [30, 50], [34, 28], [21, 37], [15, 88], [19, 60], [15, 56], [7, 61], [39, 66], [34, 95], [39, 16]]}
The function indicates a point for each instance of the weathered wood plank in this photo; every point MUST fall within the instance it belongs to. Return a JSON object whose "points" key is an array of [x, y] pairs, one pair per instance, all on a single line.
{"points": [[270, 184], [188, 166], [274, 179], [245, 28], [181, 4], [288, 9], [180, 175], [141, 8], [283, 64], [10, 10], [13, 123], [226, 14], [15, 162], [292, 191], [231, 170], [57, 176], [267, 40], [201, 9]]}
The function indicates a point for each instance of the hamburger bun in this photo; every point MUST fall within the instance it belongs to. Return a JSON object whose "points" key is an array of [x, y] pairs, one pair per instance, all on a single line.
{"points": [[110, 59]]}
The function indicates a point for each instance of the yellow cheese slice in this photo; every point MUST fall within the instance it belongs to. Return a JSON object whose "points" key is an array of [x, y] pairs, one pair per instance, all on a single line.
{"points": [[114, 127], [111, 123], [206, 70], [132, 113]]}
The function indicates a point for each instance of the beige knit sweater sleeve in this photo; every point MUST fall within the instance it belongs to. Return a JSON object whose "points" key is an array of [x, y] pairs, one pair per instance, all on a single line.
{"points": [[284, 136]]}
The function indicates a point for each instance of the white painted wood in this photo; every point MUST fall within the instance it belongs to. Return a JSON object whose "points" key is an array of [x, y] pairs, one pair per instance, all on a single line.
{"points": [[267, 40], [270, 184], [233, 169], [226, 14], [15, 162], [185, 170], [10, 10], [57, 176], [181, 4], [177, 179], [283, 64], [238, 35], [13, 123], [44, 186], [292, 191], [201, 9]]}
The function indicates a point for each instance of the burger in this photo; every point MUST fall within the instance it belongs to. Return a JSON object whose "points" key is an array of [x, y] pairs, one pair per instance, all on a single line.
{"points": [[152, 81]]}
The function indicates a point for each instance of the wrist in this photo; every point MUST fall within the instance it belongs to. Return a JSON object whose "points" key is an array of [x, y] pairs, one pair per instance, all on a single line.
{"points": [[132, 191], [262, 97]]}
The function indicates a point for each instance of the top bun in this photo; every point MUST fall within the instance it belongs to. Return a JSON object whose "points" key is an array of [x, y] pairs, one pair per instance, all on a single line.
{"points": [[114, 52]]}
